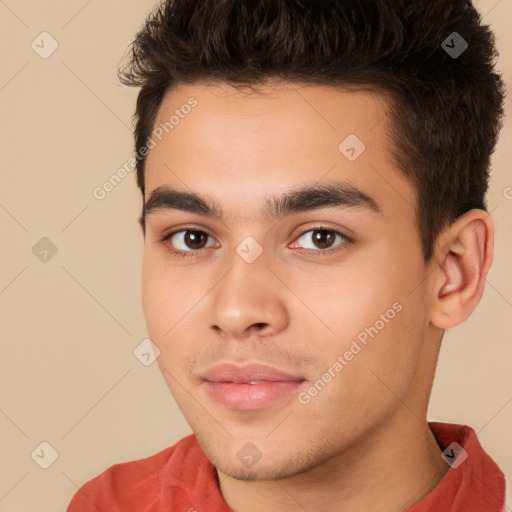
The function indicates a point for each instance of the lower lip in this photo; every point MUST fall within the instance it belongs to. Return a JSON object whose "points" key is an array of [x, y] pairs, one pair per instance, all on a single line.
{"points": [[251, 396]]}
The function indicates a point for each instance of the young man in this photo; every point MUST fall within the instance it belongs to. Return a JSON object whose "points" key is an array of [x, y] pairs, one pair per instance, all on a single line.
{"points": [[313, 177]]}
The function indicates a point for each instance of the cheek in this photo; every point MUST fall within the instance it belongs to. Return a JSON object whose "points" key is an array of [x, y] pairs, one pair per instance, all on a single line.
{"points": [[389, 359], [161, 296], [375, 375], [170, 297], [377, 325], [154, 298]]}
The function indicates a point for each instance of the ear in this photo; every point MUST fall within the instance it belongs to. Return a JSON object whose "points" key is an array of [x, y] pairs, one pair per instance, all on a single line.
{"points": [[464, 255]]}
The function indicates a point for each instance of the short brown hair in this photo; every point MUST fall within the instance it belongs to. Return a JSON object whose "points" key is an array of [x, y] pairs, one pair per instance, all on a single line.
{"points": [[445, 109]]}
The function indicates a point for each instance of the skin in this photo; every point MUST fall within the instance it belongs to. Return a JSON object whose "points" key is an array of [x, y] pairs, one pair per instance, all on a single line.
{"points": [[362, 443]]}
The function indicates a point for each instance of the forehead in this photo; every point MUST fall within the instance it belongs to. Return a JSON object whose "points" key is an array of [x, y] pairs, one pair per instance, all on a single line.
{"points": [[238, 145]]}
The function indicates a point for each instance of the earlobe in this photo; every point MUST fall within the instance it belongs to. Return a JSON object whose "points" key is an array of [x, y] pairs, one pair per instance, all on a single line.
{"points": [[464, 257]]}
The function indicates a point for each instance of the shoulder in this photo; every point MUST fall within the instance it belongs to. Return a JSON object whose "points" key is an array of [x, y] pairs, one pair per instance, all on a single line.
{"points": [[138, 482]]}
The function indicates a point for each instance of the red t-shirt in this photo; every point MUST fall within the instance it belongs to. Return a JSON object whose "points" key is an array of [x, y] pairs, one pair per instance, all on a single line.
{"points": [[182, 478]]}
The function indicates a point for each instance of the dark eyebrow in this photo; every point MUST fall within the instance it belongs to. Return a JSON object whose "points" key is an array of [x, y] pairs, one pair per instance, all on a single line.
{"points": [[311, 197]]}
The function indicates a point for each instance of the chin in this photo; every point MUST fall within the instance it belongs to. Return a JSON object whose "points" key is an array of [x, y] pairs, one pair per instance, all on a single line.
{"points": [[261, 473], [273, 466]]}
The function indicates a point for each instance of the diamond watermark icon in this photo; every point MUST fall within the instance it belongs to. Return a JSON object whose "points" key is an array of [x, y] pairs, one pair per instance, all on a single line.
{"points": [[249, 250], [44, 45], [249, 454], [351, 147], [44, 455], [454, 45], [454, 455], [44, 250], [146, 352]]}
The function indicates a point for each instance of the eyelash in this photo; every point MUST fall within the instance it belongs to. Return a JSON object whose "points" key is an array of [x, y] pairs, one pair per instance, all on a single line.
{"points": [[310, 252]]}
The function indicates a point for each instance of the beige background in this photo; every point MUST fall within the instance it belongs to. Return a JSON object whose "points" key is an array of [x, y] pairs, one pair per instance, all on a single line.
{"points": [[69, 326]]}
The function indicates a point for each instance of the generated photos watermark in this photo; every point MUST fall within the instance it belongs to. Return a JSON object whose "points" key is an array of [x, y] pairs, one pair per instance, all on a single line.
{"points": [[360, 341], [100, 192]]}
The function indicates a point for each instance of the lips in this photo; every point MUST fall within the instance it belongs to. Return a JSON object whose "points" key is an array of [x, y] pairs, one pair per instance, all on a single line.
{"points": [[250, 386], [229, 372]]}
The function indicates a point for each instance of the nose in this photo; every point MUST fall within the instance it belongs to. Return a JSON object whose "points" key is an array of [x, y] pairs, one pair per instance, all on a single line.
{"points": [[249, 300]]}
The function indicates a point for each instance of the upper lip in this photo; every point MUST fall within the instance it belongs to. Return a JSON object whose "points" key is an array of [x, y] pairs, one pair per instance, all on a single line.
{"points": [[230, 372]]}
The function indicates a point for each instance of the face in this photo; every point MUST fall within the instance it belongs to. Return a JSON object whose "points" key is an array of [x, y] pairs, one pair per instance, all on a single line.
{"points": [[281, 253]]}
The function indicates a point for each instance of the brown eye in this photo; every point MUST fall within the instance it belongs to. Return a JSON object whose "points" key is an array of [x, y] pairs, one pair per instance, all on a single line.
{"points": [[187, 240], [321, 239], [195, 239]]}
